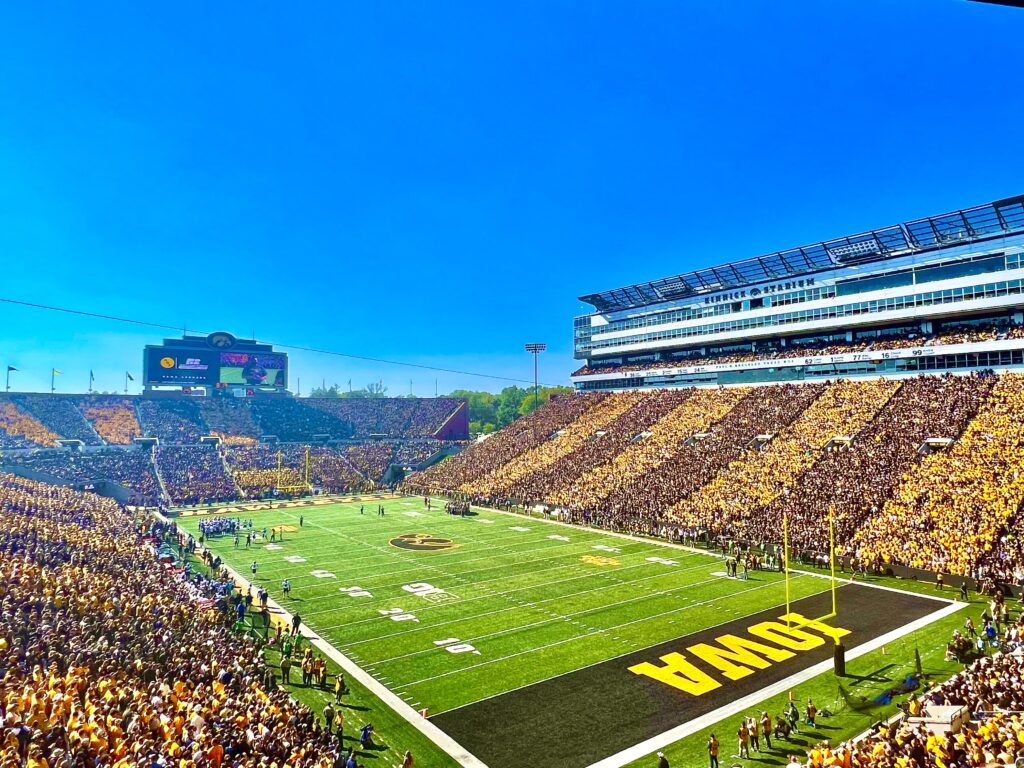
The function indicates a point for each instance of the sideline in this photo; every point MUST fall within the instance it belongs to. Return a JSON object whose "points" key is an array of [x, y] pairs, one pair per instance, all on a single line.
{"points": [[439, 738], [705, 552], [673, 735]]}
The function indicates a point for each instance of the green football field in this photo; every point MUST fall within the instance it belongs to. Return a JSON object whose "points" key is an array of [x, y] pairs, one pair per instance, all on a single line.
{"points": [[492, 618]]}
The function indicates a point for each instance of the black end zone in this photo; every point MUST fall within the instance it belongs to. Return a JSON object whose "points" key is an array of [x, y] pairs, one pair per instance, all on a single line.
{"points": [[584, 716]]}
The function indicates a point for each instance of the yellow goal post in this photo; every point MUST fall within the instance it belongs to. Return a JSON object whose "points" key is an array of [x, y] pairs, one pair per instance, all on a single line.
{"points": [[831, 562]]}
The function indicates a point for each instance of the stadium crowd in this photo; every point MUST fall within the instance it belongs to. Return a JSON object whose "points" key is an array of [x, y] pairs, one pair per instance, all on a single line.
{"points": [[395, 417], [502, 447], [113, 419], [991, 689], [699, 462], [734, 462], [177, 422], [21, 430], [952, 333], [230, 419], [573, 436], [132, 469], [194, 474], [372, 459], [952, 507], [853, 481], [609, 442], [262, 470], [292, 421], [108, 658], [60, 415], [762, 473]]}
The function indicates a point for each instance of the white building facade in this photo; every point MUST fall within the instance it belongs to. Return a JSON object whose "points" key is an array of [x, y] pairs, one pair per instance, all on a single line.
{"points": [[940, 294]]}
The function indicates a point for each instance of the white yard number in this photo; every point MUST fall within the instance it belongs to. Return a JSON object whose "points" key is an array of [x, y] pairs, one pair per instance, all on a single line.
{"points": [[322, 574], [606, 548], [661, 560], [397, 614], [355, 592], [556, 537], [293, 558], [454, 645], [422, 589]]}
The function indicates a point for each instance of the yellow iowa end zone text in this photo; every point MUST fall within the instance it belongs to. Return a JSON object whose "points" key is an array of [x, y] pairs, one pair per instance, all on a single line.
{"points": [[736, 657]]}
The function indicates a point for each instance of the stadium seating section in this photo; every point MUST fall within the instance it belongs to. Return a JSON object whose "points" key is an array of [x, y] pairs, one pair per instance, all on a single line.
{"points": [[931, 461], [952, 333], [404, 432], [97, 637]]}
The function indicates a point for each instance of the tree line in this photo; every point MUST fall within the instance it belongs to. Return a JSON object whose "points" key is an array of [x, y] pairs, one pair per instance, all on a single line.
{"points": [[488, 411]]}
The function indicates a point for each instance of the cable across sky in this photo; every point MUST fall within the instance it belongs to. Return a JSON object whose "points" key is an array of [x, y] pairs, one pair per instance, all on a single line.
{"points": [[295, 347]]}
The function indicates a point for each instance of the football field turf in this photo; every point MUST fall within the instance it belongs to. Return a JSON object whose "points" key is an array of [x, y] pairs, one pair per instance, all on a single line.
{"points": [[502, 626]]}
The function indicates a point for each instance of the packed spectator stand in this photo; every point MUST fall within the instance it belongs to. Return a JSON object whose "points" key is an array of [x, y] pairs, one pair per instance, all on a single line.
{"points": [[403, 432], [194, 474], [113, 418], [766, 351], [132, 469], [930, 461], [108, 657]]}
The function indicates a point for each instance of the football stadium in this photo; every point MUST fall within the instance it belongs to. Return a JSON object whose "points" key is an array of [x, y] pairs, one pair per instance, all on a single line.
{"points": [[766, 511], [787, 538]]}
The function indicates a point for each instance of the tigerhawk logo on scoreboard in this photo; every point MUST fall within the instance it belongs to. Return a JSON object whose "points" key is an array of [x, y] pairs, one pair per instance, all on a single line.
{"points": [[422, 542]]}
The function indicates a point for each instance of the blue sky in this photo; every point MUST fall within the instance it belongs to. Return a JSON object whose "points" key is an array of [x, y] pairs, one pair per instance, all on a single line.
{"points": [[437, 182]]}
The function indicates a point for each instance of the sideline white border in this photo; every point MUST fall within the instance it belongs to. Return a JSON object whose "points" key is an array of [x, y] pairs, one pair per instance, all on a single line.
{"points": [[705, 552], [445, 742], [662, 740], [467, 760], [673, 735]]}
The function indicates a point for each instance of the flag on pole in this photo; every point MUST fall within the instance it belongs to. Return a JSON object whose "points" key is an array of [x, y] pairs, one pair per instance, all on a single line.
{"points": [[130, 377], [11, 368], [91, 377], [55, 371]]}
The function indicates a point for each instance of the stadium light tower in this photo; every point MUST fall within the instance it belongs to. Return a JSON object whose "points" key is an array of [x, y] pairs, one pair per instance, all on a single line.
{"points": [[536, 349]]}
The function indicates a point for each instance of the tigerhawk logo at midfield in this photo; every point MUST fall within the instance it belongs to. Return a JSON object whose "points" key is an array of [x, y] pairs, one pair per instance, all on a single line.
{"points": [[422, 542]]}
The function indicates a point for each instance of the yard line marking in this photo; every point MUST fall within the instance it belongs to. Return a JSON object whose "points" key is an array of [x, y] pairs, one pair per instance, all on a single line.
{"points": [[506, 551], [554, 617], [503, 579], [589, 634], [490, 557], [684, 548], [456, 751], [519, 606]]}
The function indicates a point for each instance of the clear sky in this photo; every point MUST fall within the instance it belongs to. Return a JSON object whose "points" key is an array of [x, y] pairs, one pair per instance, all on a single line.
{"points": [[438, 181]]}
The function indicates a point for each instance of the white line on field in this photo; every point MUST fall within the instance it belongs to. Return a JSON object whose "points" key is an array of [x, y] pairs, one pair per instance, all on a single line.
{"points": [[583, 573], [445, 742], [526, 606], [684, 548], [595, 632], [662, 740]]}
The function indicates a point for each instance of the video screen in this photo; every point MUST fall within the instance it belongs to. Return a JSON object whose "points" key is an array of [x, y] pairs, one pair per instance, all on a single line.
{"points": [[166, 366], [253, 369]]}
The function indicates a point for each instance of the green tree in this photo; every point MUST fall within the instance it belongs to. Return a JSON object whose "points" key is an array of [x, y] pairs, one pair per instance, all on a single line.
{"points": [[483, 407], [511, 400], [530, 404], [331, 391]]}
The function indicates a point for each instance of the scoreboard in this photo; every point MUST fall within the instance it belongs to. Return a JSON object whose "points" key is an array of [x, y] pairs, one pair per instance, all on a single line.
{"points": [[217, 360]]}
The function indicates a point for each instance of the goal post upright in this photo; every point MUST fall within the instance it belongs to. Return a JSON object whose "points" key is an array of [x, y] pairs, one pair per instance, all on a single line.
{"points": [[785, 559], [832, 553]]}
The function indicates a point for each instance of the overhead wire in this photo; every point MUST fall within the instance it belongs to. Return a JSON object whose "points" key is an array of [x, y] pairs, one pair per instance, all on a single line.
{"points": [[295, 347]]}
